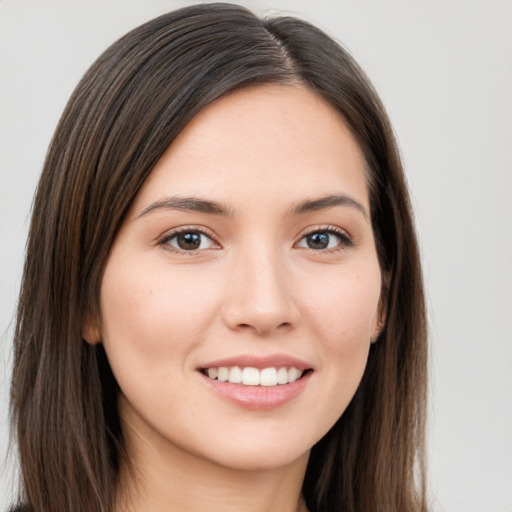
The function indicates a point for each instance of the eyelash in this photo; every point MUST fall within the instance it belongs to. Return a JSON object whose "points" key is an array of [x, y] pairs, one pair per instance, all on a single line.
{"points": [[345, 241], [164, 241]]}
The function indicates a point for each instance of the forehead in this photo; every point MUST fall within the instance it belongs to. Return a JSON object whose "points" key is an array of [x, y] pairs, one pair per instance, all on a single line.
{"points": [[258, 141]]}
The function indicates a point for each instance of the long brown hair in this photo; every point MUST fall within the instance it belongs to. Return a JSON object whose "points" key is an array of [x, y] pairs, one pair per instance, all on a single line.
{"points": [[126, 111]]}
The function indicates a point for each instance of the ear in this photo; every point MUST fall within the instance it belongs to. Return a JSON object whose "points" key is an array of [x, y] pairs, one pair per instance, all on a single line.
{"points": [[91, 331], [380, 322]]}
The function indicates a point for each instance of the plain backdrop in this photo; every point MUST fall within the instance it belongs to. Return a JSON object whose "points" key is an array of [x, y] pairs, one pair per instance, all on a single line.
{"points": [[444, 71]]}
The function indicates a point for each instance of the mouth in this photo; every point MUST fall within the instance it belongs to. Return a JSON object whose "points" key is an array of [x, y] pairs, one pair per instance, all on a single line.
{"points": [[257, 382], [251, 376]]}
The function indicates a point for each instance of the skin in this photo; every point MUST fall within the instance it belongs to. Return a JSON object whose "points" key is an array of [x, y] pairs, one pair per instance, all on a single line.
{"points": [[252, 287]]}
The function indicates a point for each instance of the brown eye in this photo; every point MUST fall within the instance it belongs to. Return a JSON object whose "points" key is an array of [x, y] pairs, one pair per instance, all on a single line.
{"points": [[189, 241]]}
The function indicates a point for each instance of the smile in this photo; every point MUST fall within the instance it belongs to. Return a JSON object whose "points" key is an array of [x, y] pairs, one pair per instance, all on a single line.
{"points": [[257, 382], [250, 376]]}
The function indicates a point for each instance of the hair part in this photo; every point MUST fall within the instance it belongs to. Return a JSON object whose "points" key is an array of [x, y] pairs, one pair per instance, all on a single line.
{"points": [[126, 111]]}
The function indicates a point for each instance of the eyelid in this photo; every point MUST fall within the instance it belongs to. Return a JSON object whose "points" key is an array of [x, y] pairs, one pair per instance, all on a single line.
{"points": [[168, 235], [346, 239]]}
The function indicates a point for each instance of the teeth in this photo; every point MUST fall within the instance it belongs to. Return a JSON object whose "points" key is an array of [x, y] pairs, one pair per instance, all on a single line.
{"points": [[282, 376], [253, 377], [222, 374], [235, 375], [293, 374], [268, 377]]}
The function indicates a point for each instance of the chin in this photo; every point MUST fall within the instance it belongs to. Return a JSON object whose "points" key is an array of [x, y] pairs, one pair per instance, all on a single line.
{"points": [[270, 453], [261, 460]]}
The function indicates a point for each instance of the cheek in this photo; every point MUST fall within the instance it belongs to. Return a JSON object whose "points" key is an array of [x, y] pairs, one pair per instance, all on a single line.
{"points": [[344, 306], [343, 315], [149, 316]]}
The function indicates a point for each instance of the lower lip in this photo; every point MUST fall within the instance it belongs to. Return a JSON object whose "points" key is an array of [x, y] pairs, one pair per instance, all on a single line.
{"points": [[258, 397]]}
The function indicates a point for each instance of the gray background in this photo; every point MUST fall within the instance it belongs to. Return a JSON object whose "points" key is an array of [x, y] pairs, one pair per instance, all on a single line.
{"points": [[444, 71]]}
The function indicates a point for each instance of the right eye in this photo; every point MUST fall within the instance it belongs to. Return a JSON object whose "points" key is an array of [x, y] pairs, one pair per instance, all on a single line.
{"points": [[188, 240]]}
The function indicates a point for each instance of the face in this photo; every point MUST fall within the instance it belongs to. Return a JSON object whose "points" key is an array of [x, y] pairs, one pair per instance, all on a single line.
{"points": [[242, 291]]}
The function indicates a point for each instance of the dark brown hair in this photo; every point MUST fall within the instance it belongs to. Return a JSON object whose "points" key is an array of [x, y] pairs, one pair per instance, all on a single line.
{"points": [[126, 111]]}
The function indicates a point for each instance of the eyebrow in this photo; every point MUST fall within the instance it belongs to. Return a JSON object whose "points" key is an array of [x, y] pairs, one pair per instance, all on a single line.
{"points": [[189, 204], [322, 203], [197, 205]]}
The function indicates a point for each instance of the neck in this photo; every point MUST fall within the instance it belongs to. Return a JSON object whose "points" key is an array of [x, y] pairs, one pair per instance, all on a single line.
{"points": [[164, 478]]}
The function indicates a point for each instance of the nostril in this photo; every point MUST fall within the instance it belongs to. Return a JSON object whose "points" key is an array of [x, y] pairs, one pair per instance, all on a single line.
{"points": [[262, 318], [264, 328]]}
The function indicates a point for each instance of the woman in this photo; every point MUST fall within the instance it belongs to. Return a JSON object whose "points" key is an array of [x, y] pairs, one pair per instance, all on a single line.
{"points": [[222, 302]]}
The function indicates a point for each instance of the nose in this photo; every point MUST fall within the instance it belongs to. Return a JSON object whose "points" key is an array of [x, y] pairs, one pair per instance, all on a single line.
{"points": [[259, 295]]}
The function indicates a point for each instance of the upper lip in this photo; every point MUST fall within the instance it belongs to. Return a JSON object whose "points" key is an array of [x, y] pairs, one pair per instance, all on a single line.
{"points": [[260, 362]]}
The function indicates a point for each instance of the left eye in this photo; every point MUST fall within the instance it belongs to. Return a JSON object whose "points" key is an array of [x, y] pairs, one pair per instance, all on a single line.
{"points": [[189, 241], [321, 240]]}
